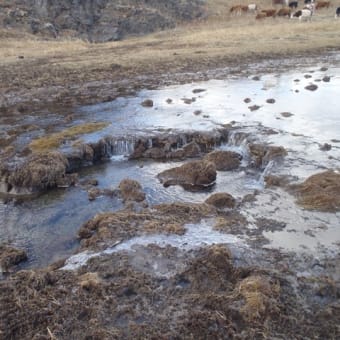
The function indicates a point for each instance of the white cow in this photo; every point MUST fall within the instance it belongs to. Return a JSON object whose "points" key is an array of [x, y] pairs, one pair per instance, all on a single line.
{"points": [[303, 14]]}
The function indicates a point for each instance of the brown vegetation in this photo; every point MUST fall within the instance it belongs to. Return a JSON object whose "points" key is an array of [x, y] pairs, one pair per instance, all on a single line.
{"points": [[192, 175], [320, 192], [38, 172]]}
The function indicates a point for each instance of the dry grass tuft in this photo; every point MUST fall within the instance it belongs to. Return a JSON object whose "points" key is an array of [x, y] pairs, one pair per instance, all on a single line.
{"points": [[259, 295], [154, 227], [320, 192], [54, 140], [89, 281]]}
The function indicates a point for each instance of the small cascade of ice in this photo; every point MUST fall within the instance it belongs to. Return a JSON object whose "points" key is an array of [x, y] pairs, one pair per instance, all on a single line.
{"points": [[197, 235], [259, 184], [122, 148]]}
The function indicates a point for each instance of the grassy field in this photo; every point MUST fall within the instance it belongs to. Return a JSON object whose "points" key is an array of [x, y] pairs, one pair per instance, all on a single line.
{"points": [[27, 62]]}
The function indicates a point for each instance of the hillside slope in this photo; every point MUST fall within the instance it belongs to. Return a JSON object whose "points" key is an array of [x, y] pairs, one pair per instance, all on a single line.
{"points": [[97, 20]]}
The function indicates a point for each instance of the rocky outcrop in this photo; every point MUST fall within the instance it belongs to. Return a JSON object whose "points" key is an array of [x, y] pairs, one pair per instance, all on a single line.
{"points": [[191, 176], [97, 20]]}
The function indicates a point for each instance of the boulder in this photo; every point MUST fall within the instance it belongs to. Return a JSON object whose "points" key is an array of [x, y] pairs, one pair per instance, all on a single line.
{"points": [[224, 160], [192, 175]]}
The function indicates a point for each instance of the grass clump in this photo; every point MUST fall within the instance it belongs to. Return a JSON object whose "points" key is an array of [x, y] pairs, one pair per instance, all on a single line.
{"points": [[53, 141], [320, 192]]}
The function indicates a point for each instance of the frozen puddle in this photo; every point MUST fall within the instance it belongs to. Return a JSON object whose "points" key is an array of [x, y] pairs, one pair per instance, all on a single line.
{"points": [[197, 235]]}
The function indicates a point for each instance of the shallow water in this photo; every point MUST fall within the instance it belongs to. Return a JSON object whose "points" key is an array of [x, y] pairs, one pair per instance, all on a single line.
{"points": [[47, 226]]}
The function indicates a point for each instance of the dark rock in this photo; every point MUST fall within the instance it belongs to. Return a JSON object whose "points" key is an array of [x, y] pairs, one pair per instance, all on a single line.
{"points": [[247, 100], [198, 90], [307, 76], [256, 78], [254, 107], [326, 147], [270, 101], [169, 100], [286, 114], [326, 79], [147, 103], [323, 69], [197, 112], [311, 87], [189, 100]]}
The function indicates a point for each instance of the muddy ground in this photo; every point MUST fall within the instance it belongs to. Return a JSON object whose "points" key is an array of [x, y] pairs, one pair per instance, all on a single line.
{"points": [[153, 292]]}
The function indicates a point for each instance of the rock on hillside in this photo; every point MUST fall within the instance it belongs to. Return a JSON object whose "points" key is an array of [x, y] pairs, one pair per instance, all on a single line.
{"points": [[97, 20]]}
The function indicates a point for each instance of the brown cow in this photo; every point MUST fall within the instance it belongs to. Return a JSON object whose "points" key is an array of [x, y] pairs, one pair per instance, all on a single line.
{"points": [[280, 2], [260, 16], [284, 12], [322, 4], [238, 9], [269, 12]]}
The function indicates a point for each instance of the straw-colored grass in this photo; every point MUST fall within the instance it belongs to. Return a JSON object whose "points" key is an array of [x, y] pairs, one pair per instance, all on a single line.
{"points": [[53, 140], [203, 43]]}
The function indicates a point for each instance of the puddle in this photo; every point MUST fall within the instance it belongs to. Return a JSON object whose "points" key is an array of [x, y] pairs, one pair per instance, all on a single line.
{"points": [[47, 226]]}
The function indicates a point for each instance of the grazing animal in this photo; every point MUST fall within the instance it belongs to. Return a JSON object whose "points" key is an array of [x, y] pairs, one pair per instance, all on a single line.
{"points": [[280, 2], [252, 8], [293, 4], [306, 2], [238, 9], [284, 12], [303, 14], [322, 4], [337, 13], [269, 12], [260, 16], [311, 7]]}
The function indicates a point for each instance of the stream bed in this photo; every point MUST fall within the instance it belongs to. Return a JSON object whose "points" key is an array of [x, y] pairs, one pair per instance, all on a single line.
{"points": [[274, 108]]}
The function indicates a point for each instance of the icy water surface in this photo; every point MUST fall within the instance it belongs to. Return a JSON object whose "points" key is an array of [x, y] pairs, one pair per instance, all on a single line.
{"points": [[47, 226]]}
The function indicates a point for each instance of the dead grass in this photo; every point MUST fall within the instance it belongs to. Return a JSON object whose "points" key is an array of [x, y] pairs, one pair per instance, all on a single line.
{"points": [[52, 141], [258, 293], [320, 192], [215, 41]]}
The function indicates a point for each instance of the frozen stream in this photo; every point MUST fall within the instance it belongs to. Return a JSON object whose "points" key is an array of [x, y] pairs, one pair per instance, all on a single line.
{"points": [[47, 226]]}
